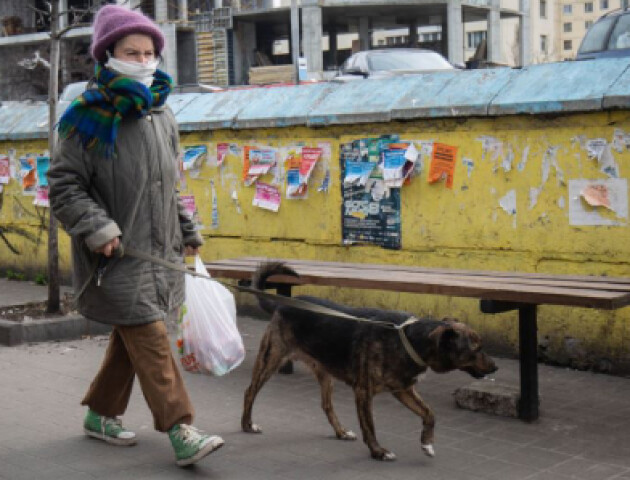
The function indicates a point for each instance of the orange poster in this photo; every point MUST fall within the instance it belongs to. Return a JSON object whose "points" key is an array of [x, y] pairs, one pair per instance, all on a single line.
{"points": [[443, 164]]}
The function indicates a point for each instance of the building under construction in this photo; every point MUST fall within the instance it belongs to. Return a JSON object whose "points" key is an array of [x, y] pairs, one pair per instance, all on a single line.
{"points": [[227, 42]]}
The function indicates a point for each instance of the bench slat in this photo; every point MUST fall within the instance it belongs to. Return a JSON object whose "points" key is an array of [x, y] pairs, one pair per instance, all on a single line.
{"points": [[435, 283], [476, 273]]}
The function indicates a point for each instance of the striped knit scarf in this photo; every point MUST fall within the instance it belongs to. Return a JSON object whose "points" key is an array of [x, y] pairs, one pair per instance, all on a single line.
{"points": [[95, 115]]}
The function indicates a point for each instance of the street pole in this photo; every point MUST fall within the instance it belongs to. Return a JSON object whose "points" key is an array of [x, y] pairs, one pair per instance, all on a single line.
{"points": [[295, 39], [53, 305]]}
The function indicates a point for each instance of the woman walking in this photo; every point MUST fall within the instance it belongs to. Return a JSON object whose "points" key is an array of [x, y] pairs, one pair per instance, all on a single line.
{"points": [[112, 181]]}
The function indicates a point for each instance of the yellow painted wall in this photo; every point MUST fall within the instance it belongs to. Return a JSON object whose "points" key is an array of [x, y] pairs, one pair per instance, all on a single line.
{"points": [[460, 228]]}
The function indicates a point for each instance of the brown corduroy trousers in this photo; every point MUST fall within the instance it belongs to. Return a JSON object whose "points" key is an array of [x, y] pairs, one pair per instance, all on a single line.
{"points": [[145, 351]]}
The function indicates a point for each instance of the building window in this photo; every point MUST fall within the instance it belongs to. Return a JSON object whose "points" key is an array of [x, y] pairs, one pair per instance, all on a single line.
{"points": [[567, 9], [543, 44], [588, 7], [567, 27], [588, 24], [543, 8], [568, 45], [603, 4], [390, 40], [381, 42], [475, 38]]}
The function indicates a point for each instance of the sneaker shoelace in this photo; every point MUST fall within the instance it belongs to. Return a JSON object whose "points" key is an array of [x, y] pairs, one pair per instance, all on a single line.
{"points": [[188, 434], [113, 422]]}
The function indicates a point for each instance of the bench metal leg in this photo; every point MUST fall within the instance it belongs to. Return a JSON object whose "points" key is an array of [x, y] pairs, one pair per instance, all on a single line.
{"points": [[528, 357], [528, 353]]}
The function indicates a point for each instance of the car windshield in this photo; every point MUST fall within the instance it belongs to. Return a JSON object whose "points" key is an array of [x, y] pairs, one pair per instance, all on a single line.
{"points": [[406, 60], [595, 39], [620, 37]]}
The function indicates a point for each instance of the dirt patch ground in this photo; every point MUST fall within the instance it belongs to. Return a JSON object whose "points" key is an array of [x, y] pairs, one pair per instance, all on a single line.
{"points": [[35, 311]]}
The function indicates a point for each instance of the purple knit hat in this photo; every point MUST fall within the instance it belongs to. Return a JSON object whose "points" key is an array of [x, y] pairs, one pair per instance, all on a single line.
{"points": [[113, 22]]}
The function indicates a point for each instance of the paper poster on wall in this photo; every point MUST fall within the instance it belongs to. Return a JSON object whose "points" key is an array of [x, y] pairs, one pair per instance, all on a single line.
{"points": [[28, 174], [190, 207], [368, 218], [5, 170], [267, 196], [257, 162], [194, 157], [598, 202], [43, 163], [222, 151], [443, 164], [299, 168], [41, 197]]}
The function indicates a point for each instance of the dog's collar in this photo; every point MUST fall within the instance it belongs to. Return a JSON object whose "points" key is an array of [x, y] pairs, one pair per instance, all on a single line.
{"points": [[407, 344]]}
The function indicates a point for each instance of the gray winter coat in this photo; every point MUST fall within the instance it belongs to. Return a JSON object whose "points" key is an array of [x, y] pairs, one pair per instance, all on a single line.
{"points": [[132, 195]]}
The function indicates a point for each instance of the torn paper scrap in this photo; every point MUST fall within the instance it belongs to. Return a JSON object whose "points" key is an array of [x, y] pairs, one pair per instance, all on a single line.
{"points": [[357, 173], [534, 192], [595, 147], [621, 140], [596, 195], [508, 202], [598, 202], [469, 164]]}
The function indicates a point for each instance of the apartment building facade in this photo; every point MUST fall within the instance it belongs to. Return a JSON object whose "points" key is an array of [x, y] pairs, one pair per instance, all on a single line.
{"points": [[575, 18]]}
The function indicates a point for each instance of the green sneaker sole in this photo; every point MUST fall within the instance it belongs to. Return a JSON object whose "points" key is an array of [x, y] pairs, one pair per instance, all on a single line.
{"points": [[213, 444], [127, 442]]}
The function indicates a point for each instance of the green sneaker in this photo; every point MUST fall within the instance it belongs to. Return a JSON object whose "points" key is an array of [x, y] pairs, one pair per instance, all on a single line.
{"points": [[191, 445], [108, 429]]}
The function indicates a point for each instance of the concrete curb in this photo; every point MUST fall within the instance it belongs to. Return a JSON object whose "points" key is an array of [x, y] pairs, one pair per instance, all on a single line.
{"points": [[50, 329]]}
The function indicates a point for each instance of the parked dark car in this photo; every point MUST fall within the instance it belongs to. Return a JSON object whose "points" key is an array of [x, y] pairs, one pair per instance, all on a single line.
{"points": [[608, 37], [389, 62]]}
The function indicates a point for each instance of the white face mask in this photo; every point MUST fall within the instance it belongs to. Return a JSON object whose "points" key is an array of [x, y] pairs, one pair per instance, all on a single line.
{"points": [[140, 72]]}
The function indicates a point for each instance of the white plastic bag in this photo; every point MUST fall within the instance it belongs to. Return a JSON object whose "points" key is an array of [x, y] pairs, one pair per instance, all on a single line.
{"points": [[209, 340]]}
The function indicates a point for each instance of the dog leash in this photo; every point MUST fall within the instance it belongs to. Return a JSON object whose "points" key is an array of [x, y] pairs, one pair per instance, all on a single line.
{"points": [[121, 252]]}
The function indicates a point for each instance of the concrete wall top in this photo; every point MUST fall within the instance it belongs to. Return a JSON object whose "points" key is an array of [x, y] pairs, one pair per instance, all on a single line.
{"points": [[593, 85], [559, 87]]}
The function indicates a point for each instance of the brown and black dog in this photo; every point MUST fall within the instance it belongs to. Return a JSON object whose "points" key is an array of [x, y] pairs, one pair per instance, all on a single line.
{"points": [[367, 356]]}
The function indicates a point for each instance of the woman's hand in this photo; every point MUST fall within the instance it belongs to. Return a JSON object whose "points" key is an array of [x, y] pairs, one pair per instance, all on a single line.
{"points": [[191, 251], [109, 247]]}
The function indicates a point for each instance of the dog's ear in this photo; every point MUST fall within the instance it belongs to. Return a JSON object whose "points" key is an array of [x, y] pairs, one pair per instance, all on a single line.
{"points": [[444, 338]]}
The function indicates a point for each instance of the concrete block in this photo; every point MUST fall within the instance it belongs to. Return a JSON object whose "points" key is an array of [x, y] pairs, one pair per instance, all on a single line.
{"points": [[50, 329], [489, 397]]}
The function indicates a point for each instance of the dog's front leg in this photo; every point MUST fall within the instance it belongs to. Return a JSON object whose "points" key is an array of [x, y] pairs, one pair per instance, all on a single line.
{"points": [[363, 400], [410, 399]]}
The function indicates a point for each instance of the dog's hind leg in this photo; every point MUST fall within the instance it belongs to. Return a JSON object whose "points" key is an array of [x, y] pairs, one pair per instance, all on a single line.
{"points": [[363, 400], [326, 385], [412, 400], [270, 355]]}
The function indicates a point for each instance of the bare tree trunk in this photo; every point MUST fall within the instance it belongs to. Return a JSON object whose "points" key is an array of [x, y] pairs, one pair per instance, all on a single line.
{"points": [[53, 87]]}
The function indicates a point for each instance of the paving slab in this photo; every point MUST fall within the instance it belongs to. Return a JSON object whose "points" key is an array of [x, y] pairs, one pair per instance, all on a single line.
{"points": [[582, 432]]}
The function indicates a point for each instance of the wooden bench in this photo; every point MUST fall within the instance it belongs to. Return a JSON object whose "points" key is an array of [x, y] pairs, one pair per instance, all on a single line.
{"points": [[497, 291]]}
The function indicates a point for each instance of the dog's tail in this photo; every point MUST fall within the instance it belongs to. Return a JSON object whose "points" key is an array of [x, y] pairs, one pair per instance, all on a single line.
{"points": [[259, 280]]}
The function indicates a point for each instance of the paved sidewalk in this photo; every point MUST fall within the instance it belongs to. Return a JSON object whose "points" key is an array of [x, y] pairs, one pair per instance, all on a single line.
{"points": [[583, 433]]}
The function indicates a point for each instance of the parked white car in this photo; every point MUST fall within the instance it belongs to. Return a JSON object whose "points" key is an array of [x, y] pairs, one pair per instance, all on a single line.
{"points": [[390, 62]]}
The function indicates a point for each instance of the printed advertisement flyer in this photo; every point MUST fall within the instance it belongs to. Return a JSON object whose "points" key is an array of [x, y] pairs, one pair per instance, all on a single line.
{"points": [[5, 169], [267, 196], [299, 169], [194, 157], [28, 175], [443, 164]]}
